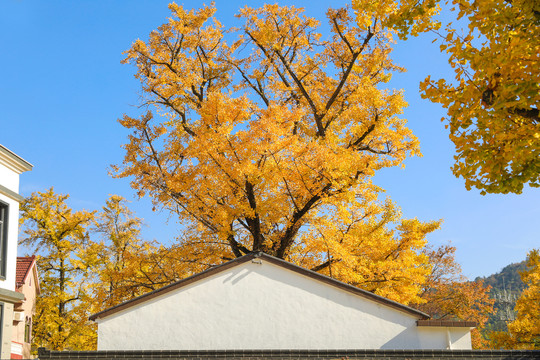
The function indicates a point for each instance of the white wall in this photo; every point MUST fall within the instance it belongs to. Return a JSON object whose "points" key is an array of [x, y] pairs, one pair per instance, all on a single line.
{"points": [[262, 306], [13, 231], [10, 180], [5, 352], [11, 166], [435, 337]]}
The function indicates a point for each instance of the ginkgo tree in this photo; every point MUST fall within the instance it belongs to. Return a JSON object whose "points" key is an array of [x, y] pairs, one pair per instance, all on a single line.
{"points": [[122, 264], [493, 103], [269, 142], [117, 256], [87, 261], [59, 236]]}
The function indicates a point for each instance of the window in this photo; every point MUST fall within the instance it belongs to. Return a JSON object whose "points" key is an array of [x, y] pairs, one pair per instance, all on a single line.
{"points": [[28, 330], [3, 238]]}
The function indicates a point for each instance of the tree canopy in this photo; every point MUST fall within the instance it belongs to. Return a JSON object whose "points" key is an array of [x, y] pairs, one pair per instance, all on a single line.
{"points": [[493, 103], [59, 235], [270, 142]]}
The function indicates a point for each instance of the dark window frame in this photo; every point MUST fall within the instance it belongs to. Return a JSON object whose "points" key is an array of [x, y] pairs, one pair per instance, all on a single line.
{"points": [[4, 221]]}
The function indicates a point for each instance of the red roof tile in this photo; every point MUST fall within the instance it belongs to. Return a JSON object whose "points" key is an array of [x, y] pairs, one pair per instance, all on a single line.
{"points": [[24, 264]]}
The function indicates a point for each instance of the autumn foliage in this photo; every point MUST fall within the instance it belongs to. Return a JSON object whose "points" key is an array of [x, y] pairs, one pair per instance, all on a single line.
{"points": [[448, 295], [58, 236], [123, 265], [88, 261], [260, 138], [270, 142], [113, 264], [494, 100]]}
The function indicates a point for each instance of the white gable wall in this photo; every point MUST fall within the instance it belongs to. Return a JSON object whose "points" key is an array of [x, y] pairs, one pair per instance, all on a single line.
{"points": [[264, 306], [10, 180], [11, 166]]}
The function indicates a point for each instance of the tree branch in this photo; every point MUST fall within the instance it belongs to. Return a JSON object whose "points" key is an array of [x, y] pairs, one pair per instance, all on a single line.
{"points": [[254, 221], [324, 265]]}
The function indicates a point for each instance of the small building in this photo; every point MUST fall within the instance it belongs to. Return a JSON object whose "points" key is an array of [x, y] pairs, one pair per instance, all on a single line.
{"points": [[11, 166], [27, 283], [259, 302]]}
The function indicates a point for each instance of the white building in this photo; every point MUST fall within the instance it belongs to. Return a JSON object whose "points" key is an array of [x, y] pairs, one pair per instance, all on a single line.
{"points": [[260, 302], [11, 166]]}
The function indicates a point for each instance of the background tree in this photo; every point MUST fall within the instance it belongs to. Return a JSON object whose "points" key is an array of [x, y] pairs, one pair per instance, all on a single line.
{"points": [[79, 275], [493, 102], [448, 295], [123, 265], [58, 236], [118, 255], [260, 142], [524, 331]]}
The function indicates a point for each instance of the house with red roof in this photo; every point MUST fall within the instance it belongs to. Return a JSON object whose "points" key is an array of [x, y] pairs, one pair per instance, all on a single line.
{"points": [[27, 283]]}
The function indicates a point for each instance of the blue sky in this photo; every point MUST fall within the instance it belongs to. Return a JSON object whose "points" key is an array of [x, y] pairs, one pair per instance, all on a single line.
{"points": [[63, 88]]}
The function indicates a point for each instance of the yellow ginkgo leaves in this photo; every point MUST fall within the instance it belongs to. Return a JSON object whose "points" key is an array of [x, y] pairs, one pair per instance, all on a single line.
{"points": [[269, 143], [493, 103]]}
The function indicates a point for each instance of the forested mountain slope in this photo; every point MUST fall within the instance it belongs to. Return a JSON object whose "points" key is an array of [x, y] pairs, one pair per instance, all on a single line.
{"points": [[506, 287]]}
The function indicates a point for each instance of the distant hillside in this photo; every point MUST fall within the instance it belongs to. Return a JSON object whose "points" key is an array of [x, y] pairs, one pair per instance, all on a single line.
{"points": [[506, 287], [508, 279]]}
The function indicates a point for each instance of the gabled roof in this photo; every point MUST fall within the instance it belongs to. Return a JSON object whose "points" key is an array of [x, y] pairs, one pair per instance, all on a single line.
{"points": [[25, 265], [273, 260]]}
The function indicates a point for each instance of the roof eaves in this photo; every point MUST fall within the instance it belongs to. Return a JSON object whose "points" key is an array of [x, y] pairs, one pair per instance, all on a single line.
{"points": [[36, 277], [447, 323], [14, 161]]}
